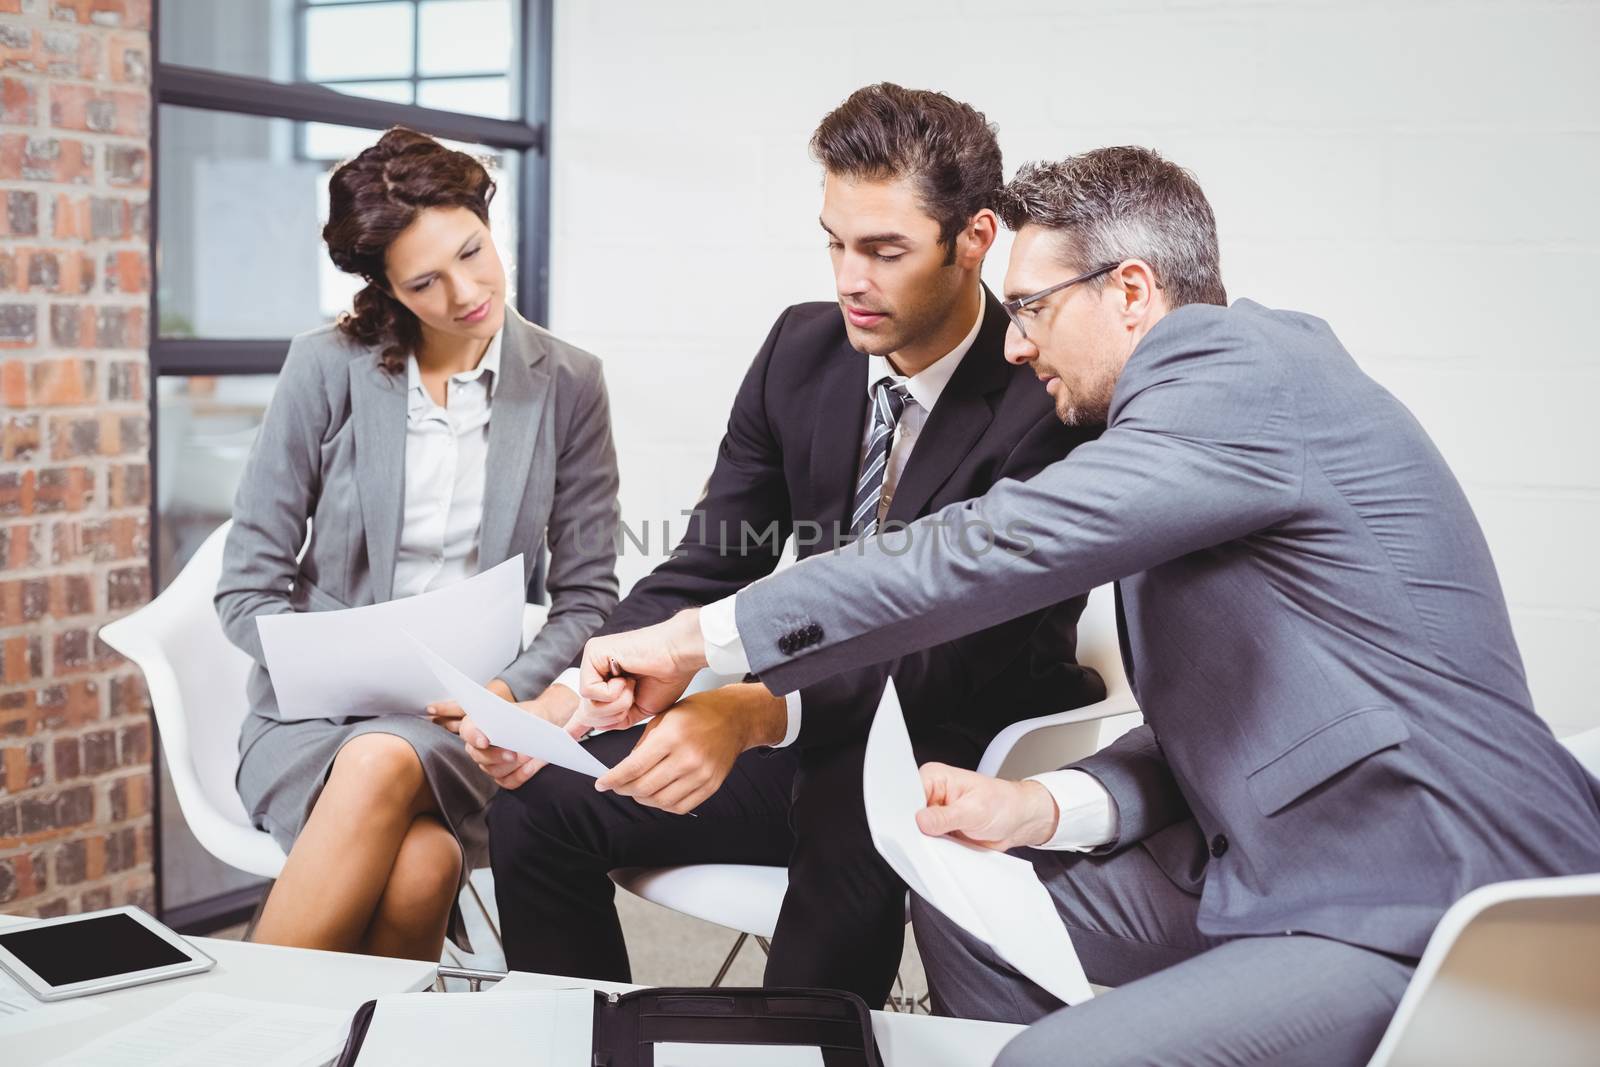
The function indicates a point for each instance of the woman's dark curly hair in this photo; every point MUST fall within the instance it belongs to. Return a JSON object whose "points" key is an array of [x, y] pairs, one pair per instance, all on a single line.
{"points": [[371, 200]]}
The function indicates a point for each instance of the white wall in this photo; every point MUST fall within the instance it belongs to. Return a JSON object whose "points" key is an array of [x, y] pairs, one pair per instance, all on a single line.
{"points": [[1424, 175]]}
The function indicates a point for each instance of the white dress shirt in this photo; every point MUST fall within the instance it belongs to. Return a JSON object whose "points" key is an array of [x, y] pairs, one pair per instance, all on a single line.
{"points": [[447, 451], [923, 390], [1086, 813]]}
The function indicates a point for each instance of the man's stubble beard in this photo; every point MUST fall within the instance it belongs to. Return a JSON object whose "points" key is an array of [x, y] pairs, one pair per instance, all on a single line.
{"points": [[1092, 406]]}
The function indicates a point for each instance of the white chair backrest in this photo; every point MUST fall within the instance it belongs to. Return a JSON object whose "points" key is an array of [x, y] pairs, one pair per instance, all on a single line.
{"points": [[1586, 746], [1511, 975], [1098, 646], [1051, 741], [196, 678]]}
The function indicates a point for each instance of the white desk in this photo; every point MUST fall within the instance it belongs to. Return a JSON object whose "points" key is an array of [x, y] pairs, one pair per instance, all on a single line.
{"points": [[344, 981], [260, 972]]}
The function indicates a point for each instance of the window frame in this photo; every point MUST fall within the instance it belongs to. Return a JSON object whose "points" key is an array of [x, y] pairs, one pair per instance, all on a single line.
{"points": [[416, 79]]}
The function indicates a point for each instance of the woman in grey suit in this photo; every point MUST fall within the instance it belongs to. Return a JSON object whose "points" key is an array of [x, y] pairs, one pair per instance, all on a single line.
{"points": [[430, 434]]}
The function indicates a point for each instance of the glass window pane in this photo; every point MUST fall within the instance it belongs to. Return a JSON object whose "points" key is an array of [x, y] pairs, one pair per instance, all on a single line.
{"points": [[360, 48], [475, 96], [204, 429], [331, 143], [465, 36], [359, 41], [242, 206], [238, 36]]}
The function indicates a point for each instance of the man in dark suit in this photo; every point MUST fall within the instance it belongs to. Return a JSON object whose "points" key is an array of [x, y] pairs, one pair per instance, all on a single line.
{"points": [[853, 418], [1339, 737]]}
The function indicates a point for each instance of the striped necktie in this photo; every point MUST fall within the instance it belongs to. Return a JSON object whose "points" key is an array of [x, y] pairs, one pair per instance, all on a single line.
{"points": [[888, 401]]}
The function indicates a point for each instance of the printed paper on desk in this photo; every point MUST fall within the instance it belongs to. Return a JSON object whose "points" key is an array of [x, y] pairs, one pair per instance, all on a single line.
{"points": [[995, 897], [356, 661], [698, 1054], [543, 1027], [20, 1011], [507, 725]]}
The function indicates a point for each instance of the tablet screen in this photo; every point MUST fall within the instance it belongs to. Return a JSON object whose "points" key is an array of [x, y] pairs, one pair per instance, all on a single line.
{"points": [[94, 948]]}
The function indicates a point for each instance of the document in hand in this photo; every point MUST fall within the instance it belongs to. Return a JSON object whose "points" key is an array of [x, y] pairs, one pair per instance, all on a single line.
{"points": [[995, 897], [507, 725], [328, 664]]}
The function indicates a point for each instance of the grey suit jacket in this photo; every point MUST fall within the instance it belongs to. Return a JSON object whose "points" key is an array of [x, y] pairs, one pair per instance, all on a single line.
{"points": [[332, 450], [1336, 709]]}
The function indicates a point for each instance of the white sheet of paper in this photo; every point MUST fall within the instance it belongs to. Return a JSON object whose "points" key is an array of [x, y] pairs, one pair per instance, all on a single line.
{"points": [[550, 1027], [20, 1010], [995, 897], [328, 664], [691, 1054], [203, 1029], [507, 725]]}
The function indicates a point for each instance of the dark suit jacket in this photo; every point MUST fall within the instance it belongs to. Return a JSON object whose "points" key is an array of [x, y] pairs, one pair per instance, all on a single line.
{"points": [[1339, 730], [788, 465]]}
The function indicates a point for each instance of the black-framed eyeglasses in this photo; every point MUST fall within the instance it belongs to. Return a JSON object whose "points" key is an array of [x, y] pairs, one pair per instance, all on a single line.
{"points": [[1014, 308]]}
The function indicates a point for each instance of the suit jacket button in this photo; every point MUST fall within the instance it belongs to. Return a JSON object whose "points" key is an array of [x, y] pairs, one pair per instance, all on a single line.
{"points": [[1219, 845], [786, 644]]}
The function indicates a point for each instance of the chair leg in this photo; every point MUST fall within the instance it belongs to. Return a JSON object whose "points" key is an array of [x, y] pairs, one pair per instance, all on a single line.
{"points": [[727, 963], [900, 1000], [488, 919], [255, 916]]}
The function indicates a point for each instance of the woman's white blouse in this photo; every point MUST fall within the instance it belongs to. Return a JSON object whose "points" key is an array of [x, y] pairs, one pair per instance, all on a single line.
{"points": [[447, 449]]}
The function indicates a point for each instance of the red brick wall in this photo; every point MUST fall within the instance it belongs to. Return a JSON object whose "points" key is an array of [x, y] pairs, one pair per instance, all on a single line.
{"points": [[75, 830]]}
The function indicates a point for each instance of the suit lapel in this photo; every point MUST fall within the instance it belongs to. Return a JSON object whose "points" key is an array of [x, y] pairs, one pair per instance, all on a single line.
{"points": [[964, 411], [838, 426], [516, 413], [378, 404]]}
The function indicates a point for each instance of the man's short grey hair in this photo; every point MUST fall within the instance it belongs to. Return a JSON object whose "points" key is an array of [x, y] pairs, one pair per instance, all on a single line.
{"points": [[1114, 204]]}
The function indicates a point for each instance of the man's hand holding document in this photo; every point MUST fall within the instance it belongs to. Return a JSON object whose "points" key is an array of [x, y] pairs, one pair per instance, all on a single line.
{"points": [[358, 661], [995, 897], [506, 725]]}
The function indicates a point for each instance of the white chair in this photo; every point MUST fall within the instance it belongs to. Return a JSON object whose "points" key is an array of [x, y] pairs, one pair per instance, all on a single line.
{"points": [[746, 898], [196, 680], [1510, 975]]}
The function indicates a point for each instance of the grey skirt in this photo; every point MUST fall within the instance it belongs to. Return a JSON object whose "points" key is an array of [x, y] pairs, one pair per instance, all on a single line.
{"points": [[283, 766]]}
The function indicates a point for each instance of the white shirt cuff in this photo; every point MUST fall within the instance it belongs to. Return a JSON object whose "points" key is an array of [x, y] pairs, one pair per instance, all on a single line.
{"points": [[1086, 814], [791, 701], [568, 678], [719, 629]]}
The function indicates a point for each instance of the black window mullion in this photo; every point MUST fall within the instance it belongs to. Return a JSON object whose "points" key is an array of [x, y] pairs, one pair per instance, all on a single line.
{"points": [[533, 230], [186, 357], [416, 51], [207, 90]]}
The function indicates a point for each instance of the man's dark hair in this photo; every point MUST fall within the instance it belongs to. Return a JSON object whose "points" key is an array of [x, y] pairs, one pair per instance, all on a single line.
{"points": [[946, 148], [1113, 204]]}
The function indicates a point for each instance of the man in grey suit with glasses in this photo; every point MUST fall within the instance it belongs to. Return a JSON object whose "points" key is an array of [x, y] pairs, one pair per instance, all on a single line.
{"points": [[1339, 738]]}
